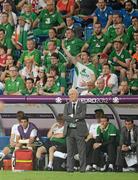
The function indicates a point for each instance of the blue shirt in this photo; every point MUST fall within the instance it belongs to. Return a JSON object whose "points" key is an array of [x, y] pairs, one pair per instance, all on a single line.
{"points": [[127, 17], [102, 15]]}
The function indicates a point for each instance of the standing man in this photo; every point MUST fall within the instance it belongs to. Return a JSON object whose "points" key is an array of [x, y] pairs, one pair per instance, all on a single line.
{"points": [[75, 130]]}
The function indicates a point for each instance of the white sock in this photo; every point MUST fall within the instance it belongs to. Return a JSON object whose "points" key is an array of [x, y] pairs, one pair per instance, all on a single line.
{"points": [[60, 154], [50, 164], [111, 166], [94, 166]]}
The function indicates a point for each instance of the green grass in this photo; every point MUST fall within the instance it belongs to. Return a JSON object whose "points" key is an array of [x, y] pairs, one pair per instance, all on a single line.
{"points": [[35, 175]]}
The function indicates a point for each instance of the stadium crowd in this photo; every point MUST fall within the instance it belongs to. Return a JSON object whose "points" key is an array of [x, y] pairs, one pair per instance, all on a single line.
{"points": [[48, 46]]}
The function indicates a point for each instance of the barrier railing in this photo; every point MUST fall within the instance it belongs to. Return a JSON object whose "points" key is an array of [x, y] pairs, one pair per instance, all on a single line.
{"points": [[64, 99]]}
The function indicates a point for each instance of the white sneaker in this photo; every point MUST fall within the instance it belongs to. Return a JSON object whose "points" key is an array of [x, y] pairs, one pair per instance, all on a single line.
{"points": [[125, 169], [76, 157], [103, 168], [88, 168]]}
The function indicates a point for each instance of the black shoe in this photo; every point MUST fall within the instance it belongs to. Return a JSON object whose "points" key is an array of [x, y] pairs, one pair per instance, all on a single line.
{"points": [[110, 169], [70, 171], [93, 169], [82, 171], [119, 169], [49, 169]]}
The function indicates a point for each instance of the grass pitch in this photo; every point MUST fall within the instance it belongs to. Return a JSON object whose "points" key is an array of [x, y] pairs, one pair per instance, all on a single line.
{"points": [[44, 175]]}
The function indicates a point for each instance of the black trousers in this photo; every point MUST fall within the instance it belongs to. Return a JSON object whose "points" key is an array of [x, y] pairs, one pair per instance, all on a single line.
{"points": [[98, 155], [120, 160], [89, 151]]}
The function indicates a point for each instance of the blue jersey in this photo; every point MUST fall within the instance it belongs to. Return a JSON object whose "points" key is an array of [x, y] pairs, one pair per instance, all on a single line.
{"points": [[127, 17], [102, 15]]}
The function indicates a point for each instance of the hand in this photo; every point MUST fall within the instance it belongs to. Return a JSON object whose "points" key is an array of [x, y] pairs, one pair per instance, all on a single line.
{"points": [[125, 148], [40, 91], [12, 144], [63, 44], [83, 83], [96, 145], [115, 59], [54, 125], [71, 115], [104, 30]]}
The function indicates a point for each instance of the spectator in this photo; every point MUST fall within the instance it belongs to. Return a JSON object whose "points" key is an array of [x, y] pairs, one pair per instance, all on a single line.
{"points": [[5, 42], [111, 32], [3, 58], [85, 70], [65, 7], [9, 63], [110, 79], [41, 78], [132, 80], [120, 34], [30, 89], [6, 25], [124, 88], [52, 48], [30, 70], [97, 64], [75, 130], [29, 15], [56, 142], [55, 62], [14, 84], [72, 43], [36, 5], [101, 88], [132, 28], [120, 59], [128, 12], [97, 41], [133, 43], [8, 8], [50, 87], [47, 19], [76, 27], [87, 7], [60, 80], [52, 36], [103, 58], [20, 35], [105, 142], [31, 53], [103, 14], [90, 87], [128, 143]]}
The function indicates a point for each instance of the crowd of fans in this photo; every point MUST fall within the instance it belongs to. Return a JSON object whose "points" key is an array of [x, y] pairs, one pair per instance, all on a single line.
{"points": [[48, 46]]}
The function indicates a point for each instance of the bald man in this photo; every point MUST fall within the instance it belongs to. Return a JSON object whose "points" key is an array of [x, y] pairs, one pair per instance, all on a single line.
{"points": [[75, 130]]}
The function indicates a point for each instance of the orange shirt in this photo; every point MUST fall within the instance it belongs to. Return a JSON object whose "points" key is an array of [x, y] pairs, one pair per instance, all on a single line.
{"points": [[65, 7], [135, 56]]}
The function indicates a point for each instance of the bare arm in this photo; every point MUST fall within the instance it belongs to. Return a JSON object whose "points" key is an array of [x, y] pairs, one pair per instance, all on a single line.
{"points": [[110, 18], [85, 47], [50, 132], [20, 4], [35, 23]]}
